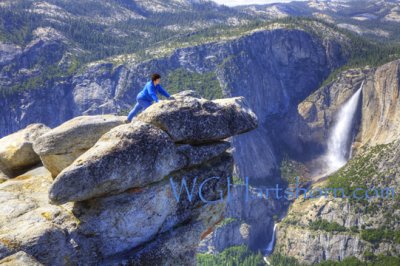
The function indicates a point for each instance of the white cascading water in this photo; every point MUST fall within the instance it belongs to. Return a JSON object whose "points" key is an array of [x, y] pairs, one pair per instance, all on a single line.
{"points": [[271, 243], [339, 145]]}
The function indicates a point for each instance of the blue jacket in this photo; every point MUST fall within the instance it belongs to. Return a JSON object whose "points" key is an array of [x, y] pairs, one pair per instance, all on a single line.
{"points": [[149, 92]]}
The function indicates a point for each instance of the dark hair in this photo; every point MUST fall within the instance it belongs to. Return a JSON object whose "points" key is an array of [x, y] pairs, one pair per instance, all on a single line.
{"points": [[155, 76]]}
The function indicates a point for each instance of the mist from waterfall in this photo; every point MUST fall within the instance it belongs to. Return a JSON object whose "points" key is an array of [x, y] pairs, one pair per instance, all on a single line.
{"points": [[339, 141]]}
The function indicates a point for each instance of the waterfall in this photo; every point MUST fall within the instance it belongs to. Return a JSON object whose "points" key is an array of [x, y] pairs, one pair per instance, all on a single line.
{"points": [[339, 142], [271, 243]]}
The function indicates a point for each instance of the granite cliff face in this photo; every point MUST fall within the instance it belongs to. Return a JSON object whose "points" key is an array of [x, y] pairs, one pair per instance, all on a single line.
{"points": [[380, 106], [123, 199]]}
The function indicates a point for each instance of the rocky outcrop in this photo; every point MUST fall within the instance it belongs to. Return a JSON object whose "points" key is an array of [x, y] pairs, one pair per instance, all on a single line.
{"points": [[124, 149], [62, 145], [121, 159], [135, 197], [208, 120], [16, 151]]}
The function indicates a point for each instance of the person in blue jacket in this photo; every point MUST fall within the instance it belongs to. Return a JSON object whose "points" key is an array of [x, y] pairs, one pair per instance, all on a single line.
{"points": [[147, 95]]}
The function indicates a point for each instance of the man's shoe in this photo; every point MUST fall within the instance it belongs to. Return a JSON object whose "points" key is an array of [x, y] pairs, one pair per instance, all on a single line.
{"points": [[127, 121]]}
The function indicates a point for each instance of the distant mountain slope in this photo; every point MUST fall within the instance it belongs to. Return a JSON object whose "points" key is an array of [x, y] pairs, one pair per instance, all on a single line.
{"points": [[374, 19], [104, 28]]}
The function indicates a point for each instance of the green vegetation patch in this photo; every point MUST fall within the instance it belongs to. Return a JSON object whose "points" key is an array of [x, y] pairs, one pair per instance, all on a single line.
{"points": [[278, 259], [206, 84], [233, 256], [46, 78], [359, 170], [380, 234], [226, 221], [327, 226]]}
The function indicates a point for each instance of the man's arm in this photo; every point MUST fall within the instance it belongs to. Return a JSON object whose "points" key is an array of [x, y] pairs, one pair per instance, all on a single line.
{"points": [[163, 91], [153, 94]]}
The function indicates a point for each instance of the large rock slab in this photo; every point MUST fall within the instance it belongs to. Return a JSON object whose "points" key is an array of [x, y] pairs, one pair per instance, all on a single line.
{"points": [[121, 222], [129, 213], [130, 155], [197, 218], [59, 147], [20, 259], [16, 152], [178, 246], [124, 185], [29, 223], [195, 120]]}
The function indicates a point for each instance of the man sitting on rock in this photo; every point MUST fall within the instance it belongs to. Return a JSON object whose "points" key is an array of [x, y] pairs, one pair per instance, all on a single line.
{"points": [[147, 95]]}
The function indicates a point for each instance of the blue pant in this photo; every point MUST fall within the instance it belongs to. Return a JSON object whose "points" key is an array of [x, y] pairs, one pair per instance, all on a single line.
{"points": [[140, 104]]}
